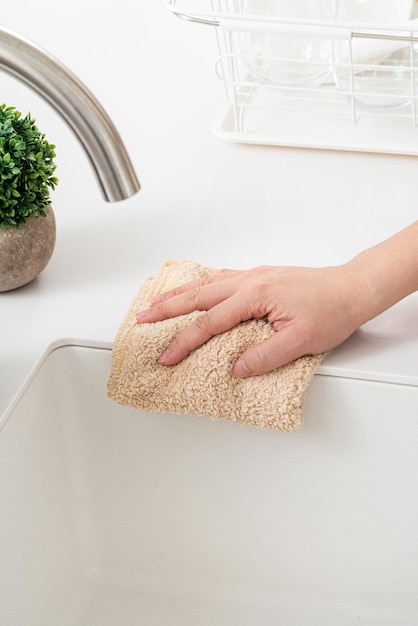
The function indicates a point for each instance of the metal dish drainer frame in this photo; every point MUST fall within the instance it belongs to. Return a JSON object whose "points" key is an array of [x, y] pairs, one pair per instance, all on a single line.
{"points": [[321, 116]]}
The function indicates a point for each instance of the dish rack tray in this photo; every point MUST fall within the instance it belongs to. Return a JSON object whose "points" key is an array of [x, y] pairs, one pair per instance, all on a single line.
{"points": [[375, 111]]}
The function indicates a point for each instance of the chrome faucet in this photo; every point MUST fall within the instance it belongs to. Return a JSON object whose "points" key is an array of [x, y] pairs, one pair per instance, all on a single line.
{"points": [[80, 109]]}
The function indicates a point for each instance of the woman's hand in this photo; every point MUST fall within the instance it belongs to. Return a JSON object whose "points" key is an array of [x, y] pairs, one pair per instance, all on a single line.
{"points": [[311, 310]]}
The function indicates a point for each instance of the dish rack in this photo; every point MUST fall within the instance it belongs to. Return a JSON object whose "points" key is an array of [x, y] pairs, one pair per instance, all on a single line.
{"points": [[366, 100]]}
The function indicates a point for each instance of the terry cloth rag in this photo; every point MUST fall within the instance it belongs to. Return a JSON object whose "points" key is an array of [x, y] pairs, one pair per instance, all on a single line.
{"points": [[202, 384]]}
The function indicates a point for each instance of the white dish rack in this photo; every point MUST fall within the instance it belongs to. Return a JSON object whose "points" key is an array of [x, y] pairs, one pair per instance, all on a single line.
{"points": [[367, 103]]}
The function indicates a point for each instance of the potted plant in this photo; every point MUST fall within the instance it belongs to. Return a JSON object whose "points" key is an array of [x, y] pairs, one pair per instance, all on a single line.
{"points": [[27, 222]]}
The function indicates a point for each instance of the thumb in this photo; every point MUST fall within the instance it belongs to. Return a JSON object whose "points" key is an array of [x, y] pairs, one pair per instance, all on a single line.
{"points": [[278, 350]]}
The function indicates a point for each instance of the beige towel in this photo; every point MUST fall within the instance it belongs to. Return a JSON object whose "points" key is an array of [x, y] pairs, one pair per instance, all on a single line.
{"points": [[202, 384]]}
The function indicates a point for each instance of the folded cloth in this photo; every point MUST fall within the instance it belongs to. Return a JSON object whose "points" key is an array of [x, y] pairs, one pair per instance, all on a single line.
{"points": [[202, 384]]}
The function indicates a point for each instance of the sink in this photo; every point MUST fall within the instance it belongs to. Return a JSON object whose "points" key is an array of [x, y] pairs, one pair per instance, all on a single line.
{"points": [[117, 517]]}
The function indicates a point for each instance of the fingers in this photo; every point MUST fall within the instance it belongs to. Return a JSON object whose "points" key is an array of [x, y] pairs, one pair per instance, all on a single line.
{"points": [[199, 295], [220, 318], [278, 350], [194, 284]]}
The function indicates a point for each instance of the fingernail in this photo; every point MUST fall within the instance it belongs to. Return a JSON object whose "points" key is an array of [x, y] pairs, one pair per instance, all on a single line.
{"points": [[142, 316], [164, 358], [240, 369]]}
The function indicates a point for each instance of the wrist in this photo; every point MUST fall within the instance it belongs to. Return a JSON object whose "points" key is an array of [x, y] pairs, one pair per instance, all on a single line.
{"points": [[358, 293], [385, 274], [365, 302]]}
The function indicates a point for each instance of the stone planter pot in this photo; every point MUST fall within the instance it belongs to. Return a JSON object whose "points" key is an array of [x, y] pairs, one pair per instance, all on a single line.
{"points": [[25, 252]]}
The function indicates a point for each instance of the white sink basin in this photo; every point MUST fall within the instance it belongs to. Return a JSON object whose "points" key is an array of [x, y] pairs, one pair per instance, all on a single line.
{"points": [[114, 517]]}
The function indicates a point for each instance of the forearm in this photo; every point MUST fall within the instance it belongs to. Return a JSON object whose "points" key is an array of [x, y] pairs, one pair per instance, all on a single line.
{"points": [[387, 271]]}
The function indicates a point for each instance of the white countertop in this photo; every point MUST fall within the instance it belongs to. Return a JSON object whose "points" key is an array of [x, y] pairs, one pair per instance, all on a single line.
{"points": [[221, 204]]}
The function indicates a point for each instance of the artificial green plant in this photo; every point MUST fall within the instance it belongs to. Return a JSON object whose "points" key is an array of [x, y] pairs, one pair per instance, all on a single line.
{"points": [[26, 169]]}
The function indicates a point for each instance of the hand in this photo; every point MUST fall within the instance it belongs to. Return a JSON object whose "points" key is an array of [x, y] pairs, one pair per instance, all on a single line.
{"points": [[311, 310]]}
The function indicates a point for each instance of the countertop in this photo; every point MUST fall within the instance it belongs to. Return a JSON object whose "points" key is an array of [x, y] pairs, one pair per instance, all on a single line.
{"points": [[219, 203]]}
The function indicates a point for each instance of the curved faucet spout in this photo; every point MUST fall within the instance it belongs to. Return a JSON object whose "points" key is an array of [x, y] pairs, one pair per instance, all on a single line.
{"points": [[80, 109]]}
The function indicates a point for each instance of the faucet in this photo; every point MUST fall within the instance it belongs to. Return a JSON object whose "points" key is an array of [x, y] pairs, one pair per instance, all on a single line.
{"points": [[78, 107]]}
